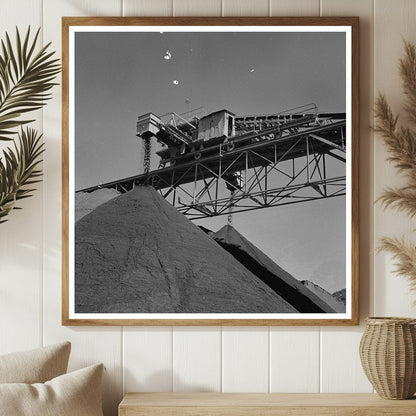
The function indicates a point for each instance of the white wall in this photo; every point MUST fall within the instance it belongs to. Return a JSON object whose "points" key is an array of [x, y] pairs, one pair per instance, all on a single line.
{"points": [[285, 359]]}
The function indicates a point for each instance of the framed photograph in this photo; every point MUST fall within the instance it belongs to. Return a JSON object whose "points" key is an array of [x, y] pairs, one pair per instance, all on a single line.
{"points": [[210, 171]]}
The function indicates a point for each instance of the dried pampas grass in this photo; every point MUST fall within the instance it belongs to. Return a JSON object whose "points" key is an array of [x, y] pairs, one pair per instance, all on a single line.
{"points": [[401, 143], [405, 254]]}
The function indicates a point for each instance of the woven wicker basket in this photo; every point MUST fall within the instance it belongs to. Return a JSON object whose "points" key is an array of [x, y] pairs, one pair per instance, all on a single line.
{"points": [[388, 356]]}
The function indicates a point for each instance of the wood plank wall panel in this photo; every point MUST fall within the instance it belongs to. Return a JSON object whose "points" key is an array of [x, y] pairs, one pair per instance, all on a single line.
{"points": [[341, 370], [196, 359], [394, 21], [147, 7], [21, 237], [147, 359], [21, 13], [245, 359], [245, 8], [89, 344], [294, 351], [294, 8], [197, 8]]}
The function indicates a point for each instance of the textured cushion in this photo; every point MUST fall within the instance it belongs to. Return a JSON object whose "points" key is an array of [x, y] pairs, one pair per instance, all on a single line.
{"points": [[35, 366], [73, 394]]}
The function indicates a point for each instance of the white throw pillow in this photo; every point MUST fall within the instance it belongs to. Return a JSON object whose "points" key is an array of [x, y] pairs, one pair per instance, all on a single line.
{"points": [[73, 394], [35, 366]]}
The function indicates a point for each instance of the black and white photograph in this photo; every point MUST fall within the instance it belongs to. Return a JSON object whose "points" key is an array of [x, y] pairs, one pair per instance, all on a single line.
{"points": [[210, 172]]}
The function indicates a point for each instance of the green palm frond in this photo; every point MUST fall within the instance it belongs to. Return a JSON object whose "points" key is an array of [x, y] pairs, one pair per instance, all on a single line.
{"points": [[26, 77], [19, 170]]}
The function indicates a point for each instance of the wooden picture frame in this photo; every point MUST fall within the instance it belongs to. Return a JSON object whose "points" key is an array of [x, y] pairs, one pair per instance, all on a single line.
{"points": [[90, 301]]}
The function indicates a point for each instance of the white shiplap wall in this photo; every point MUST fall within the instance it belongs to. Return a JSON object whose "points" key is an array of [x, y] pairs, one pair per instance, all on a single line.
{"points": [[285, 359]]}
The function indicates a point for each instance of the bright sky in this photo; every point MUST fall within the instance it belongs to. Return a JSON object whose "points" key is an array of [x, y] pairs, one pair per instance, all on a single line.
{"points": [[120, 76]]}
